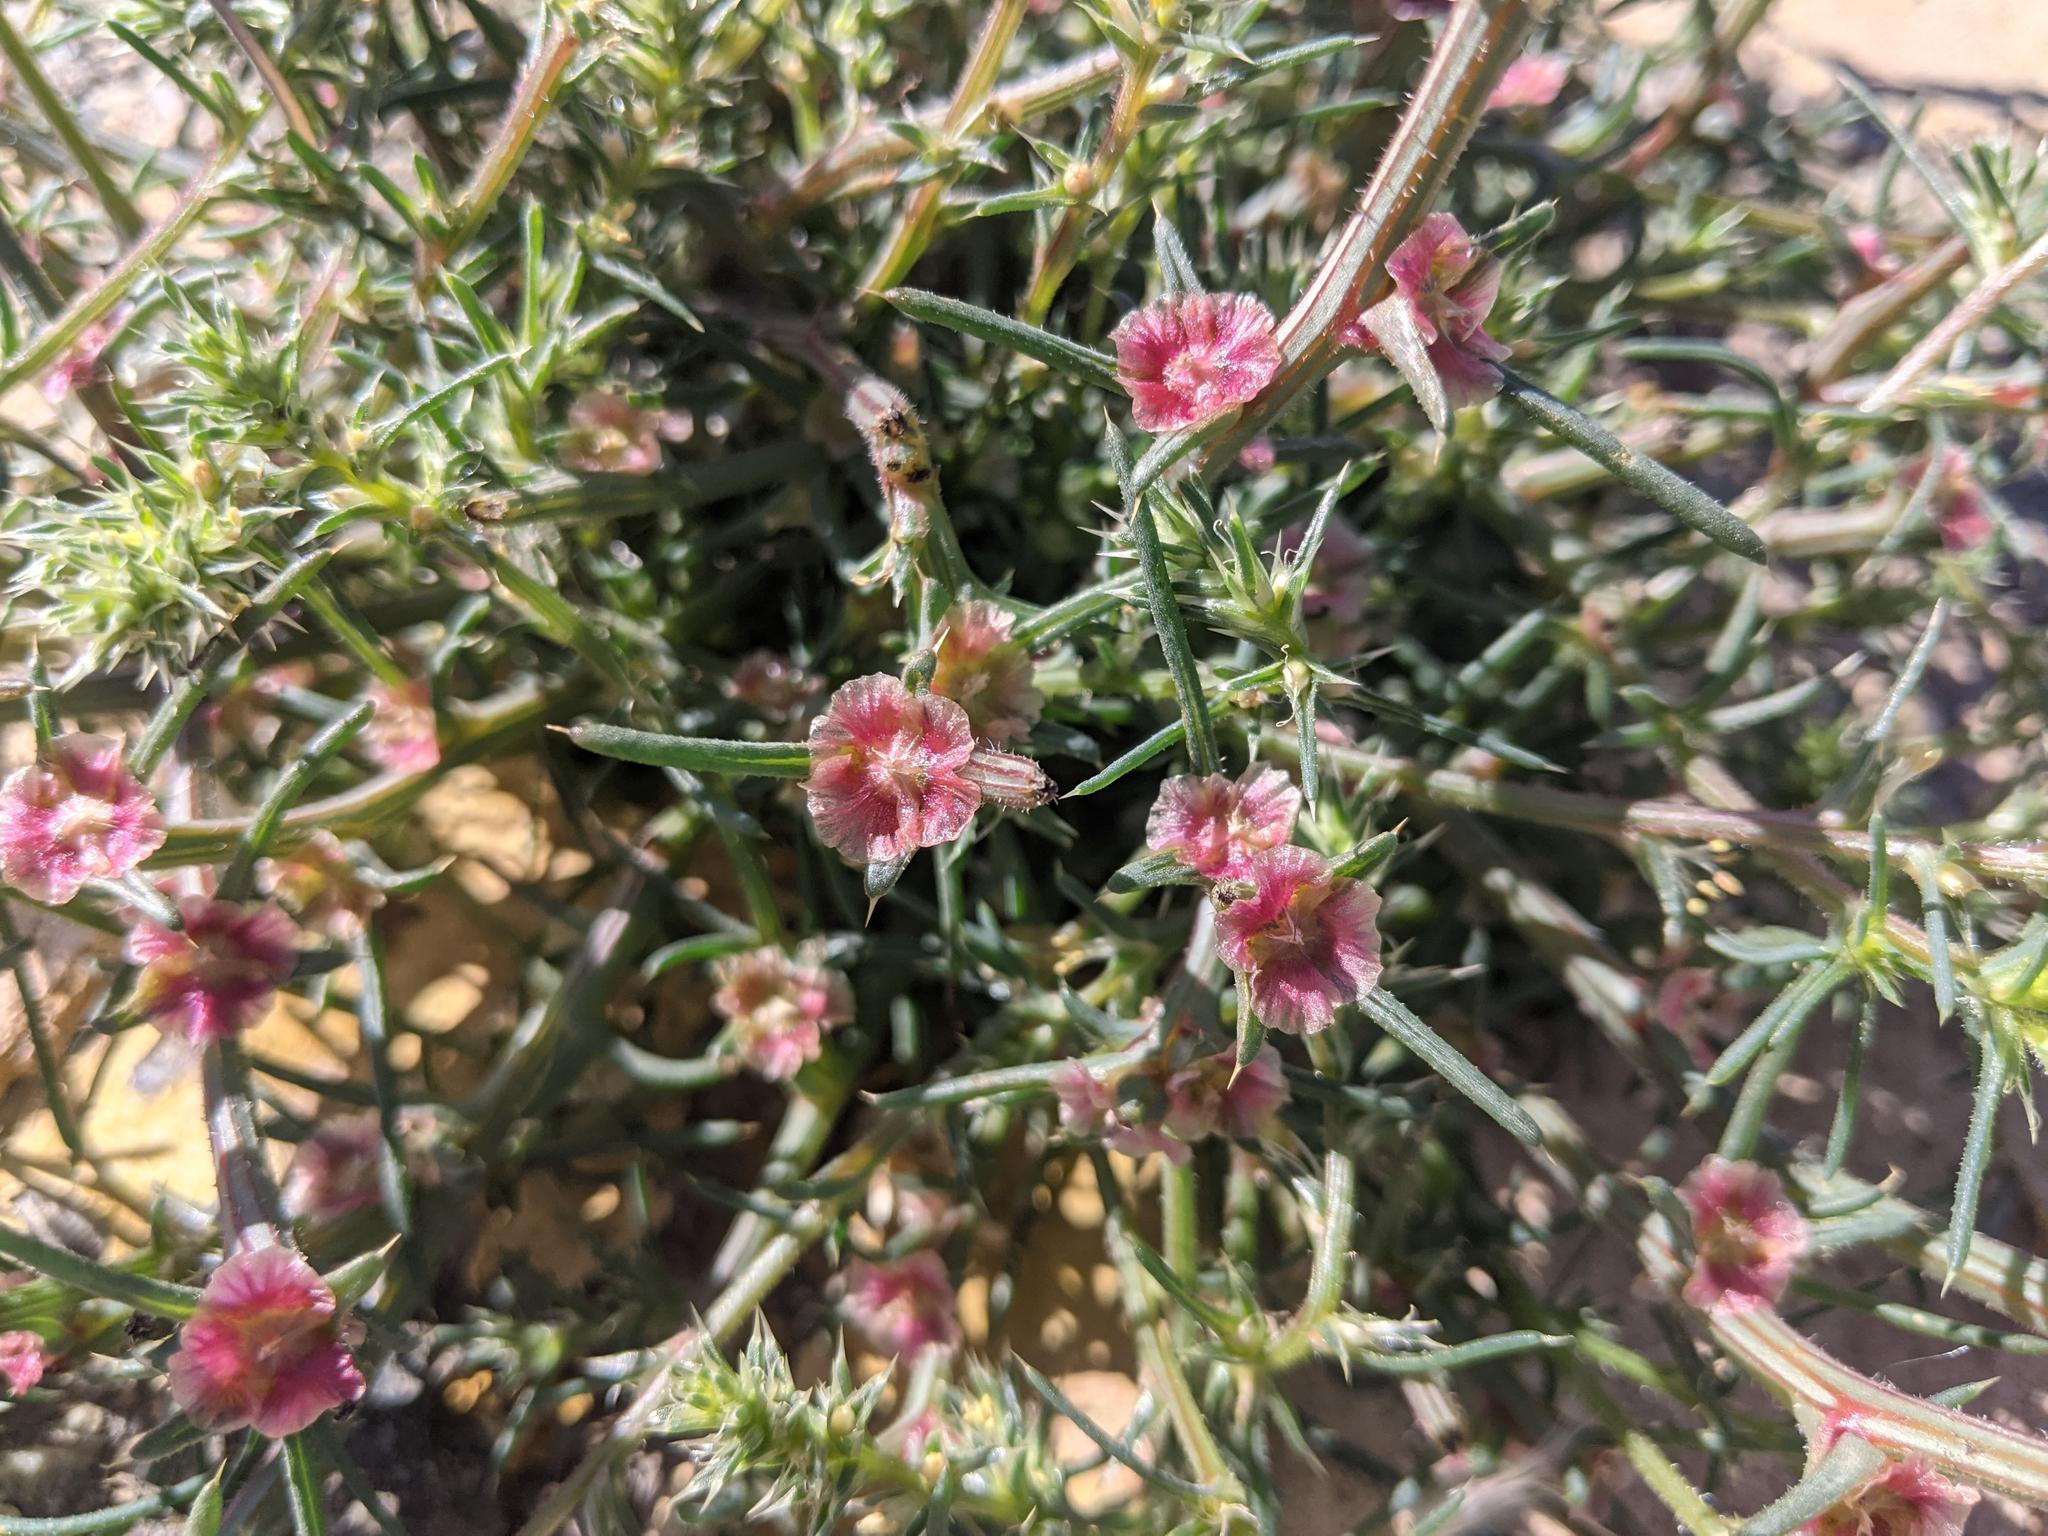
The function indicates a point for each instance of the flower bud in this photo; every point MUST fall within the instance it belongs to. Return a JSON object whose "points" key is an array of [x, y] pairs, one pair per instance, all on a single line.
{"points": [[1015, 783]]}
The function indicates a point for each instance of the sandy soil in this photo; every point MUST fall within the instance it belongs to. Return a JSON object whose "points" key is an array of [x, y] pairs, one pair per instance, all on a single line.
{"points": [[1979, 65]]}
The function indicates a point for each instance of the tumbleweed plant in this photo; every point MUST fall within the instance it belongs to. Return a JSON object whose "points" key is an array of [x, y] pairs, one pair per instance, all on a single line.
{"points": [[991, 766]]}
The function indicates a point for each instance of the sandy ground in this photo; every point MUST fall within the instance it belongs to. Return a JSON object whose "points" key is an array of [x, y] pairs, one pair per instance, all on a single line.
{"points": [[1979, 65]]}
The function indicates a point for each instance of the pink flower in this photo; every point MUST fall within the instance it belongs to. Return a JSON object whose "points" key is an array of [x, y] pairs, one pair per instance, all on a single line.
{"points": [[1531, 81], [1868, 242], [210, 978], [401, 736], [1186, 360], [904, 1307], [1447, 286], [985, 672], [1335, 599], [1213, 823], [771, 685], [913, 1437], [1418, 10], [1746, 1235], [1962, 523], [319, 881], [1677, 995], [779, 1012], [1959, 512], [264, 1349], [334, 1170], [85, 363], [1087, 1102], [75, 815], [1678, 1007], [1201, 1099], [1089, 1108], [1302, 943], [609, 434], [23, 1360], [1258, 455], [886, 771], [893, 772], [1908, 1498]]}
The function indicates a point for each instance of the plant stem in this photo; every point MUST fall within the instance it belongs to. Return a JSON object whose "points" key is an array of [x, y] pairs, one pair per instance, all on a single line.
{"points": [[1965, 317], [1973, 1450], [373, 1012], [93, 393], [1860, 321], [1478, 41], [847, 1175], [62, 333], [114, 198], [870, 157], [144, 1292], [48, 1066], [531, 101], [116, 1517], [1056, 257], [1995, 1274], [1171, 628], [694, 754], [1332, 1257], [1715, 59], [913, 227], [295, 114], [248, 1198], [1659, 1474], [1679, 820], [1646, 476], [302, 1485], [161, 733], [477, 732], [1178, 1227], [553, 1045], [816, 1101]]}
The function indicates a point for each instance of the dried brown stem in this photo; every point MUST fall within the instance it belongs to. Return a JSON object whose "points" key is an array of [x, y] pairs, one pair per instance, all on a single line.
{"points": [[1716, 59], [531, 101], [1864, 317], [1680, 820], [287, 99], [1956, 324]]}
